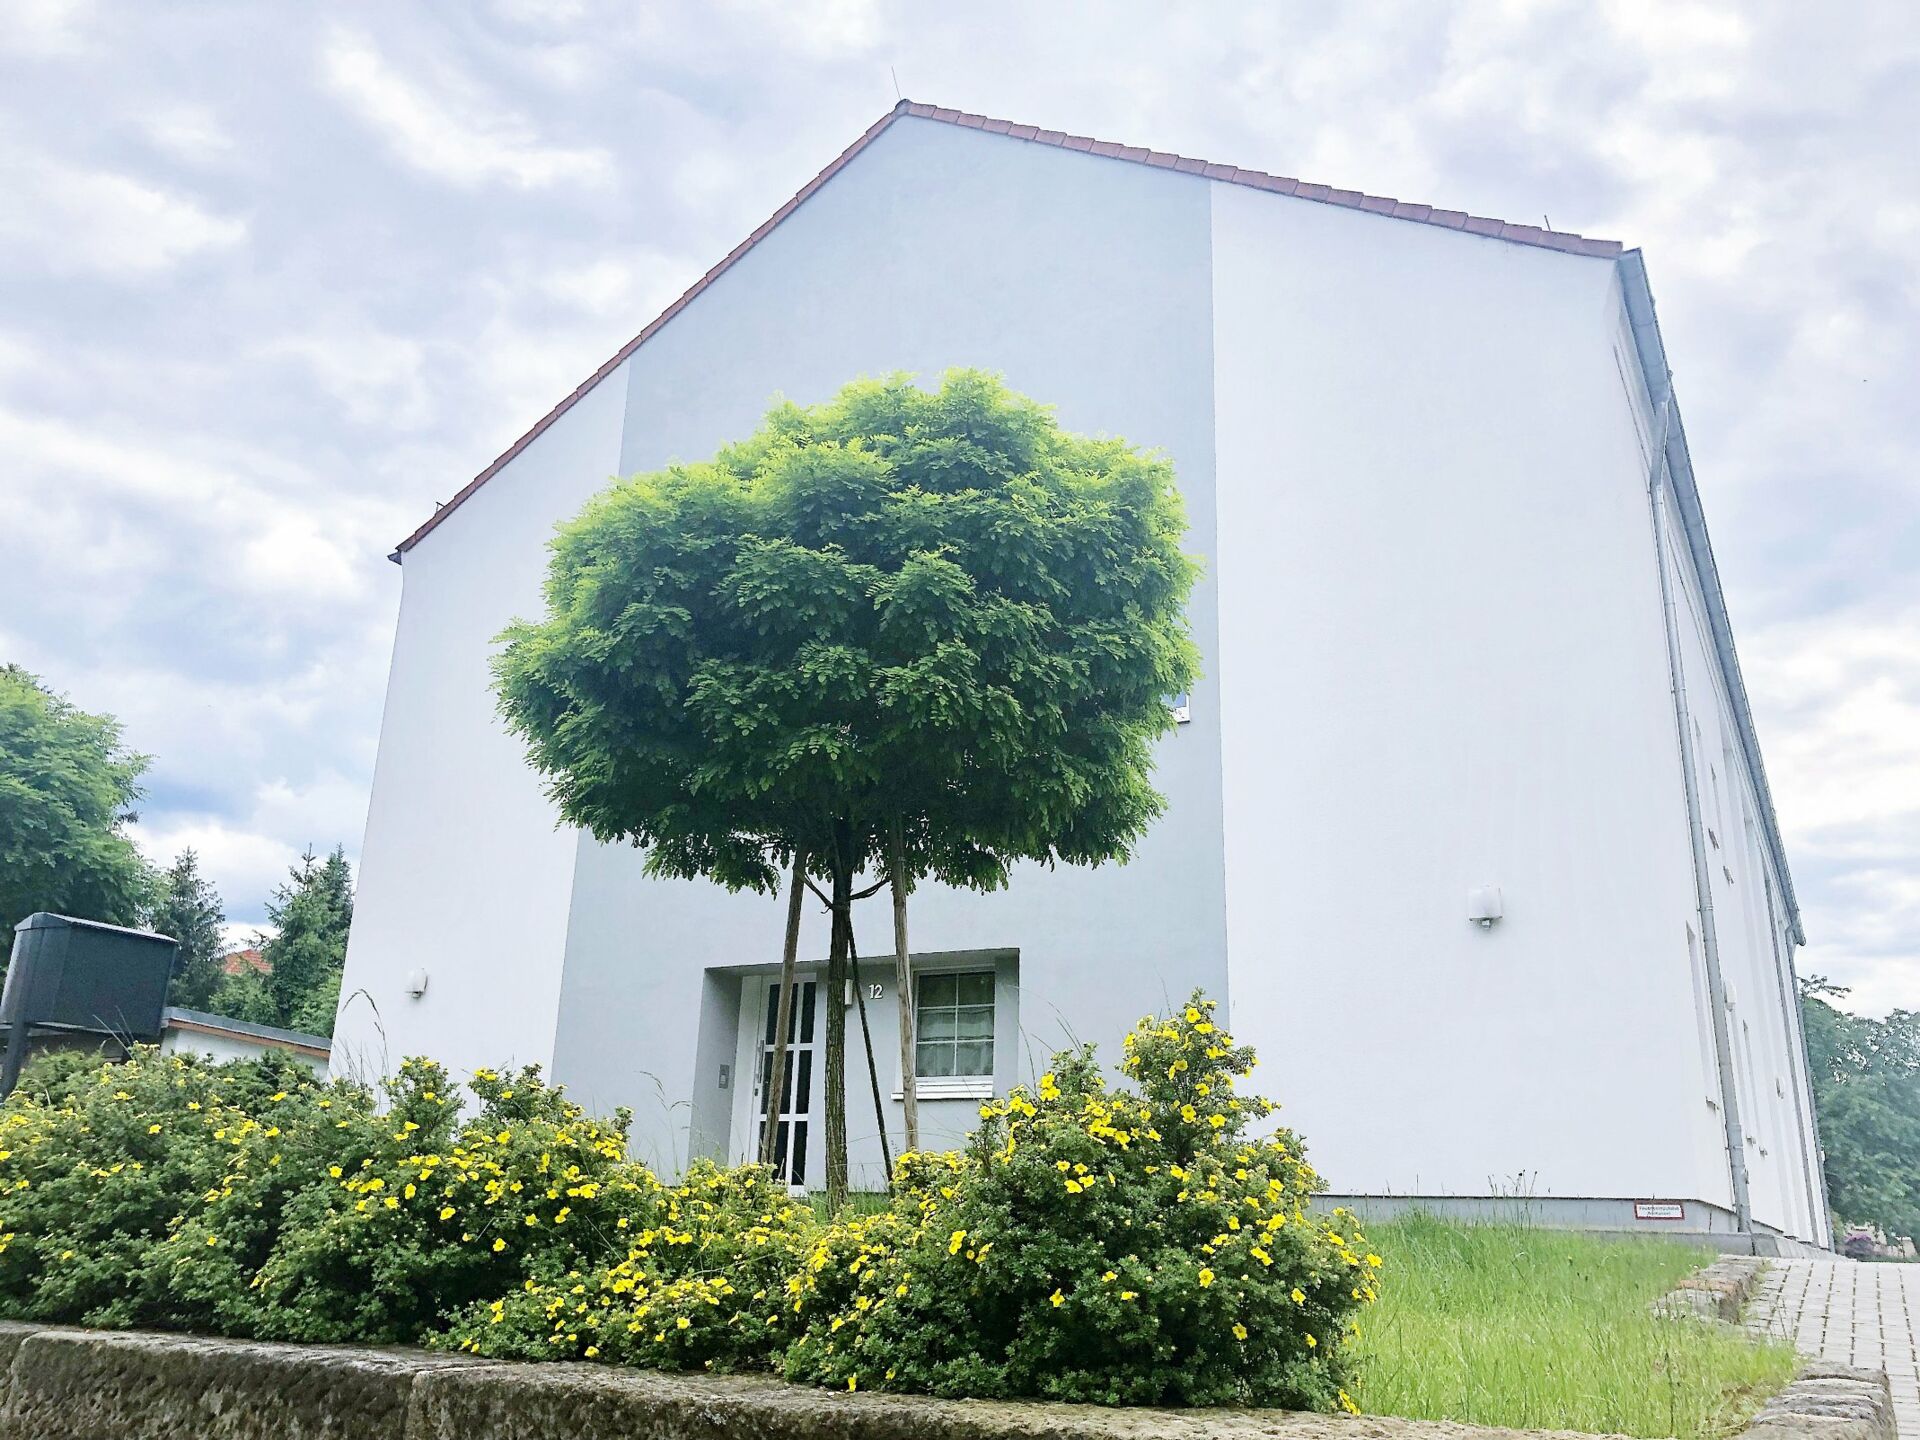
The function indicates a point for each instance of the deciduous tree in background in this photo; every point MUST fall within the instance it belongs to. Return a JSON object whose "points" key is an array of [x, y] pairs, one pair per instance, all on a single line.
{"points": [[927, 634], [67, 790], [1866, 1094], [189, 910]]}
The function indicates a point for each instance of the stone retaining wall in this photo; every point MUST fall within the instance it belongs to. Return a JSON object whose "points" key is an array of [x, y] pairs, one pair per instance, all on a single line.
{"points": [[62, 1384], [1719, 1291], [67, 1384]]}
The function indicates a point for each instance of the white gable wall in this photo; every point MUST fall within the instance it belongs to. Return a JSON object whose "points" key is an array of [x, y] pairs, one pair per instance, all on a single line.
{"points": [[1443, 665], [463, 872]]}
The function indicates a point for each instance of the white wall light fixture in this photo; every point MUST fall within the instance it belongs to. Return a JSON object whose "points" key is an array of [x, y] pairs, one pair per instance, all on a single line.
{"points": [[1484, 905], [416, 983]]}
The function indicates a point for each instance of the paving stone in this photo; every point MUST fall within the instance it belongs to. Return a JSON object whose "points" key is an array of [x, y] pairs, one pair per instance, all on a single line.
{"points": [[1857, 1315]]}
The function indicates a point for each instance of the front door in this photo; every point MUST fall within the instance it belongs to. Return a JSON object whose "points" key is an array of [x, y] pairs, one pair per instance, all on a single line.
{"points": [[796, 1100]]}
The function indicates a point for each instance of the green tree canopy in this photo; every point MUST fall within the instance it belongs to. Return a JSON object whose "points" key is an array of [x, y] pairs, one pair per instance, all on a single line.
{"points": [[189, 910], [1866, 1094], [936, 611], [68, 785]]}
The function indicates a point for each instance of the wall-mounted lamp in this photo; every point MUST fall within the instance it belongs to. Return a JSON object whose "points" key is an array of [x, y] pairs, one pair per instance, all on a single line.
{"points": [[1484, 905], [416, 983]]}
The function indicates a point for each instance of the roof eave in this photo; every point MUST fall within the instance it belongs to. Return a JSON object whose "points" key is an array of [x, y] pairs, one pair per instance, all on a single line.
{"points": [[1652, 354]]}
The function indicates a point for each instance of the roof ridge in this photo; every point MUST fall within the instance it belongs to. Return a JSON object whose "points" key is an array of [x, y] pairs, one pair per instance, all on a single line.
{"points": [[1534, 235]]}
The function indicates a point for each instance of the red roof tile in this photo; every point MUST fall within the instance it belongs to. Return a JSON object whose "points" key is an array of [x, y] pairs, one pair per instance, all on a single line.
{"points": [[1233, 175]]}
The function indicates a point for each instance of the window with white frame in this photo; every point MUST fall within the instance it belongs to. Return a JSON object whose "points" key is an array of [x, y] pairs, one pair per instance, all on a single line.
{"points": [[953, 1025]]}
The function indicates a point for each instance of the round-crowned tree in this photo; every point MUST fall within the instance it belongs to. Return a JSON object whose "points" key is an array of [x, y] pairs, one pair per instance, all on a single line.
{"points": [[925, 632]]}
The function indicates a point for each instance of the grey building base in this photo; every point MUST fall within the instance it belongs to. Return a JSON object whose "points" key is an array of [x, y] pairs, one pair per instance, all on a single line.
{"points": [[1701, 1222]]}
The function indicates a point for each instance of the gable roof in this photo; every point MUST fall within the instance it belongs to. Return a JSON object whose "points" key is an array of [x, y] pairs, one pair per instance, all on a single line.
{"points": [[1533, 235]]}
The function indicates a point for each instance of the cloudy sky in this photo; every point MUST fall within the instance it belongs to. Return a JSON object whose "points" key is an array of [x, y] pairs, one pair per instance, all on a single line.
{"points": [[274, 279]]}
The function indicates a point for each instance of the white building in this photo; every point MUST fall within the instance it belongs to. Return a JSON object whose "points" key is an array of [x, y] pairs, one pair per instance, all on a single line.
{"points": [[222, 1038], [1463, 641]]}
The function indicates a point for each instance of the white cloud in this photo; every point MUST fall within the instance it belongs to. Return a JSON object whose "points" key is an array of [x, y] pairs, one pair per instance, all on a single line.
{"points": [[1839, 703], [188, 132], [293, 541], [454, 134], [64, 221], [375, 378], [46, 29]]}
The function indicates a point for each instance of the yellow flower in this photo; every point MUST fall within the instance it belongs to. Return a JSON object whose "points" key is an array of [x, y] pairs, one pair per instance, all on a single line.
{"points": [[446, 1212], [1239, 1331], [1057, 1299], [1129, 1294], [959, 1239], [1311, 1342], [498, 1246], [591, 1351], [1374, 1261], [1206, 1278], [153, 1129], [682, 1323], [213, 1239], [1299, 1296], [853, 1381]]}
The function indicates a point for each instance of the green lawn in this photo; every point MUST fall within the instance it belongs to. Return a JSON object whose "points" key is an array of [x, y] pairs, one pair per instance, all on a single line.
{"points": [[1507, 1325]]}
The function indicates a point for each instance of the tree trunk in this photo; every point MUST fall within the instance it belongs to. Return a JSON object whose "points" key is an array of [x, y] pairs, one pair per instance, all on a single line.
{"points": [[836, 1008], [903, 982], [873, 1070], [783, 1025]]}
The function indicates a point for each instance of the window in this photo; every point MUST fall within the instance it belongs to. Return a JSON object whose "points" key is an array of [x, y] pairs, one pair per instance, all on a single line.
{"points": [[953, 1024]]}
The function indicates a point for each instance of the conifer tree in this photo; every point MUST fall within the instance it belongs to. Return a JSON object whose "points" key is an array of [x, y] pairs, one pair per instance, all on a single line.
{"points": [[189, 910]]}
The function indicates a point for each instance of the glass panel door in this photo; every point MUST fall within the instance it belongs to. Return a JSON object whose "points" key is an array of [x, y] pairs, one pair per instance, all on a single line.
{"points": [[796, 1096]]}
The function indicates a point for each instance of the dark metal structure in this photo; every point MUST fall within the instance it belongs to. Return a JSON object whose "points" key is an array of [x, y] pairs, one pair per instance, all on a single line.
{"points": [[81, 978]]}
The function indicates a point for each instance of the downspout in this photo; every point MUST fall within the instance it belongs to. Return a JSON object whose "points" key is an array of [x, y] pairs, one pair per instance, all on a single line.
{"points": [[1657, 492]]}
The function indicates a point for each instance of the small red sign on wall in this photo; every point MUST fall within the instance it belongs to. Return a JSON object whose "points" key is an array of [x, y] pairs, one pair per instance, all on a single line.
{"points": [[1659, 1210]]}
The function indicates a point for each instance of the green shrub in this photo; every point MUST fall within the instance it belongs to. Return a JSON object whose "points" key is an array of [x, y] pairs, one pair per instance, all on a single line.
{"points": [[1100, 1245]]}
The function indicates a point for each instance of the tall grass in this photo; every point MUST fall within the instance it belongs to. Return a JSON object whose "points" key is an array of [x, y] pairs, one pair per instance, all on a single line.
{"points": [[1503, 1324]]}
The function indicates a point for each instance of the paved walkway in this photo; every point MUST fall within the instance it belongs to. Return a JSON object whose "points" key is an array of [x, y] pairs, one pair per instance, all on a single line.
{"points": [[1857, 1314]]}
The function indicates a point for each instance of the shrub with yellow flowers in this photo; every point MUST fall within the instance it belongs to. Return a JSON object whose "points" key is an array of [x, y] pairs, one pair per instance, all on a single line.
{"points": [[345, 1221], [97, 1163], [703, 1283], [1108, 1245]]}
